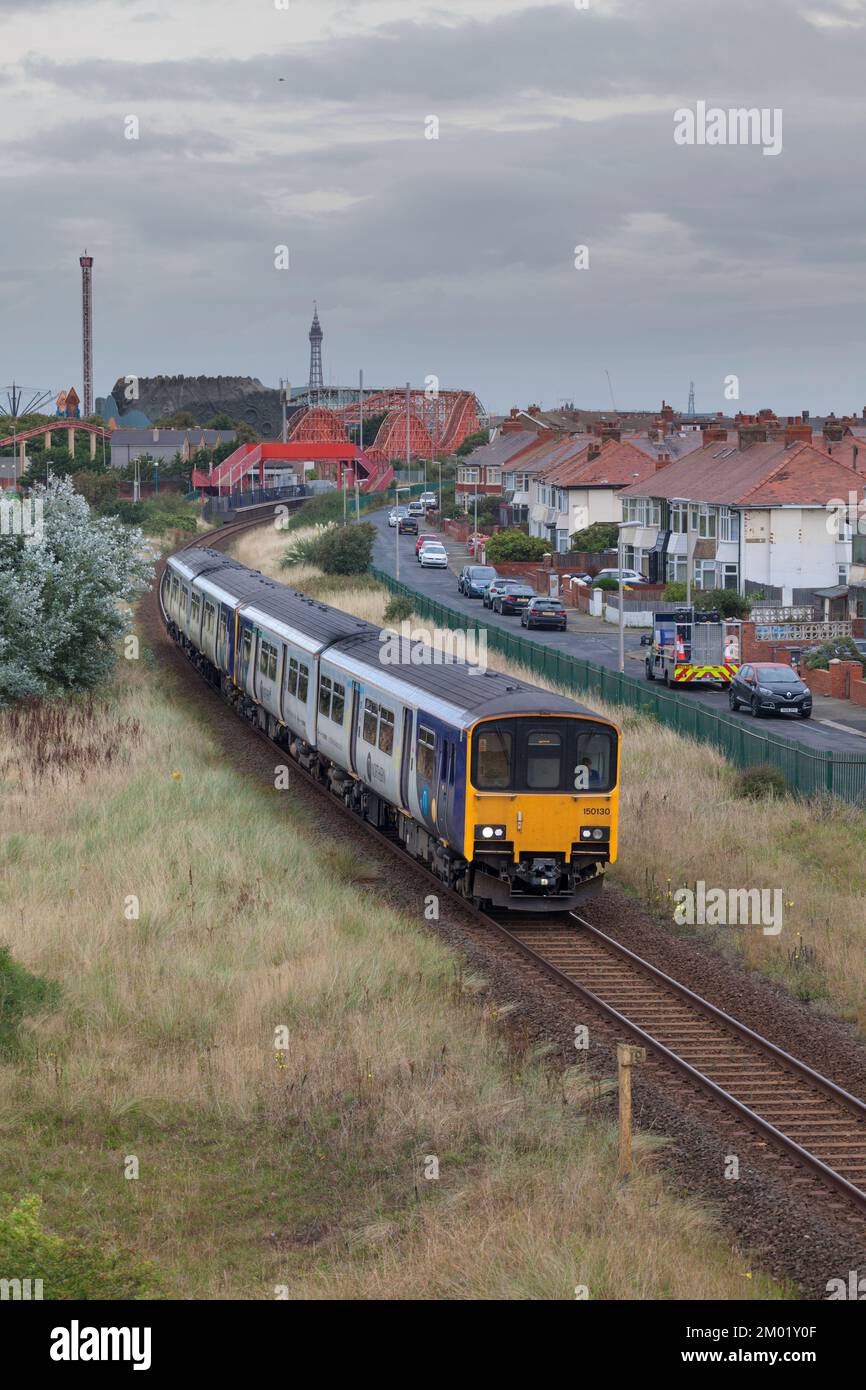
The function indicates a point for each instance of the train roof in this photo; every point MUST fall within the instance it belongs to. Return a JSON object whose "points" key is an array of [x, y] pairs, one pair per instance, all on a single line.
{"points": [[458, 686]]}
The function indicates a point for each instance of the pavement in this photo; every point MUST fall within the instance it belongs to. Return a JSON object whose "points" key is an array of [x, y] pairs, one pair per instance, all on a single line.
{"points": [[837, 725]]}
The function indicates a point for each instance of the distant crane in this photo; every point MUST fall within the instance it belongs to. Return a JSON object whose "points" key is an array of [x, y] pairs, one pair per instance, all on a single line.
{"points": [[610, 389], [691, 409]]}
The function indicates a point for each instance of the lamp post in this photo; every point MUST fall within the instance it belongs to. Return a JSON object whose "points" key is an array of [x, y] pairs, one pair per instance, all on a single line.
{"points": [[397, 492], [623, 526]]}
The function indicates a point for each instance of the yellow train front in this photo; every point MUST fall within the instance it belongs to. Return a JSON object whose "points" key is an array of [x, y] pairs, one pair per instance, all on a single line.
{"points": [[541, 812]]}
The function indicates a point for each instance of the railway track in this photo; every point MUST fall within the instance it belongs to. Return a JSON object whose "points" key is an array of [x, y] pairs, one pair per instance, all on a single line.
{"points": [[773, 1094]]}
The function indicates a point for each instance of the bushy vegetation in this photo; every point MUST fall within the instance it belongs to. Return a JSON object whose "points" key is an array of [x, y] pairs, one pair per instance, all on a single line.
{"points": [[156, 515], [838, 648], [21, 993], [336, 549], [60, 594], [607, 584], [68, 1268], [472, 441], [602, 535], [728, 602], [761, 782], [516, 546], [399, 610]]}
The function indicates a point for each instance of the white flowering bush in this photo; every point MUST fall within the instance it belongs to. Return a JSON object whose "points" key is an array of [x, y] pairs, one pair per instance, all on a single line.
{"points": [[62, 587]]}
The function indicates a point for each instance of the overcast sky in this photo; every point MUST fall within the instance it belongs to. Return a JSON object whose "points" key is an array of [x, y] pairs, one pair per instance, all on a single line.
{"points": [[455, 256]]}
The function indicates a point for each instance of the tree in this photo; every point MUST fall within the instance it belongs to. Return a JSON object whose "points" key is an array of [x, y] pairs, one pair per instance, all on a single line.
{"points": [[220, 421], [336, 549], [473, 441], [61, 588], [515, 545], [728, 602], [602, 535]]}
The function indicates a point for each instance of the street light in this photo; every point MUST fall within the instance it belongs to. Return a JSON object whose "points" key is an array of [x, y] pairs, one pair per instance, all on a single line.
{"points": [[397, 492], [622, 526]]}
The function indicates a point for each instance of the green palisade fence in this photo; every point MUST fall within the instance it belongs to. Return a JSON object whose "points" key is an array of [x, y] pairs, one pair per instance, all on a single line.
{"points": [[808, 772]]}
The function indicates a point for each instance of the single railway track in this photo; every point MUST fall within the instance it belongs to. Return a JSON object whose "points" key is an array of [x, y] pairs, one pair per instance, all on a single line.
{"points": [[773, 1093]]}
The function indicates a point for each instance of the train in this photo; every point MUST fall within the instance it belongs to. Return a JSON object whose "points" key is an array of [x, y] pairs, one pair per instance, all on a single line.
{"points": [[508, 793]]}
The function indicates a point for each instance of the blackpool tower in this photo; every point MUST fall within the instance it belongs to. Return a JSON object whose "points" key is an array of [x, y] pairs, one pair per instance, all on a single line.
{"points": [[316, 336]]}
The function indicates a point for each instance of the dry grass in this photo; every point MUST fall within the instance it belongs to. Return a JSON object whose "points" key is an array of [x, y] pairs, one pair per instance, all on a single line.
{"points": [[683, 821], [258, 1166]]}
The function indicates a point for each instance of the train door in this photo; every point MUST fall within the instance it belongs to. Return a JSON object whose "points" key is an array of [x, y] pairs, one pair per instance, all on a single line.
{"points": [[354, 716], [446, 772], [406, 759]]}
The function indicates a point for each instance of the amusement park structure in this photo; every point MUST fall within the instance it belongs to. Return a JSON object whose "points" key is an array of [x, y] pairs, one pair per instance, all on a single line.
{"points": [[438, 423]]}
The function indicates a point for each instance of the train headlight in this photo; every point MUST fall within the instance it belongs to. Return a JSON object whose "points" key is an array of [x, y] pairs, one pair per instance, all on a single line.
{"points": [[490, 832], [595, 832]]}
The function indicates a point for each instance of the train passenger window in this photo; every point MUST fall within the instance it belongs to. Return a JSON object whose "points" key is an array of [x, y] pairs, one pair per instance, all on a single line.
{"points": [[303, 682], [596, 761], [292, 682], [195, 609], [543, 760], [493, 759], [268, 661], [175, 585], [371, 719], [247, 646], [209, 616], [223, 634], [425, 754], [338, 703], [386, 730], [325, 689]]}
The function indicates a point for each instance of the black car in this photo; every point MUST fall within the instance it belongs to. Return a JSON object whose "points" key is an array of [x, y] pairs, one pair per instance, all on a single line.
{"points": [[544, 612], [473, 580], [493, 588], [407, 525], [770, 688], [512, 599]]}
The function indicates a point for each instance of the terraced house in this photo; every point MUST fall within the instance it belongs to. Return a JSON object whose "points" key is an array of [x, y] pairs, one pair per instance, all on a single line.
{"points": [[584, 487], [758, 519]]}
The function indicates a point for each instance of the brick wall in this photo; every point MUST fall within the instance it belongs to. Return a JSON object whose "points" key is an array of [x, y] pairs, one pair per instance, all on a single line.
{"points": [[818, 682]]}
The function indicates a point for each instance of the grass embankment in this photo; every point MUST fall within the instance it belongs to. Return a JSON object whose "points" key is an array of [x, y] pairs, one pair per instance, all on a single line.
{"points": [[683, 820], [260, 1167]]}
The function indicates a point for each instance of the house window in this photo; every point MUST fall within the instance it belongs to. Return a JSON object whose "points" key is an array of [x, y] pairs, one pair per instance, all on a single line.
{"points": [[646, 511], [562, 542], [729, 524], [676, 570], [705, 574], [678, 518], [425, 754], [730, 576], [494, 475], [843, 574], [707, 523]]}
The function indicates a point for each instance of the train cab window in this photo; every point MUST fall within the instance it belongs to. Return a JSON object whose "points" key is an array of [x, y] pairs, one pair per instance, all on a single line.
{"points": [[209, 617], [268, 661], [493, 759], [425, 754], [543, 760], [386, 730], [325, 692], [595, 768], [371, 720], [195, 609]]}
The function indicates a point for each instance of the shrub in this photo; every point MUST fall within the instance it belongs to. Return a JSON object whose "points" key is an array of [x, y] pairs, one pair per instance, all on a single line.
{"points": [[399, 610], [69, 1268], [602, 535], [515, 545], [761, 783], [336, 549], [842, 648], [607, 584], [20, 994], [729, 603]]}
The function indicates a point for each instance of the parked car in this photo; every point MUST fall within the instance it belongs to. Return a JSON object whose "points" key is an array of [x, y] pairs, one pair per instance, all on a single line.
{"points": [[416, 508], [407, 526], [513, 599], [423, 538], [493, 588], [544, 612], [630, 577], [430, 500], [581, 579], [395, 514], [770, 688], [473, 580], [433, 554]]}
